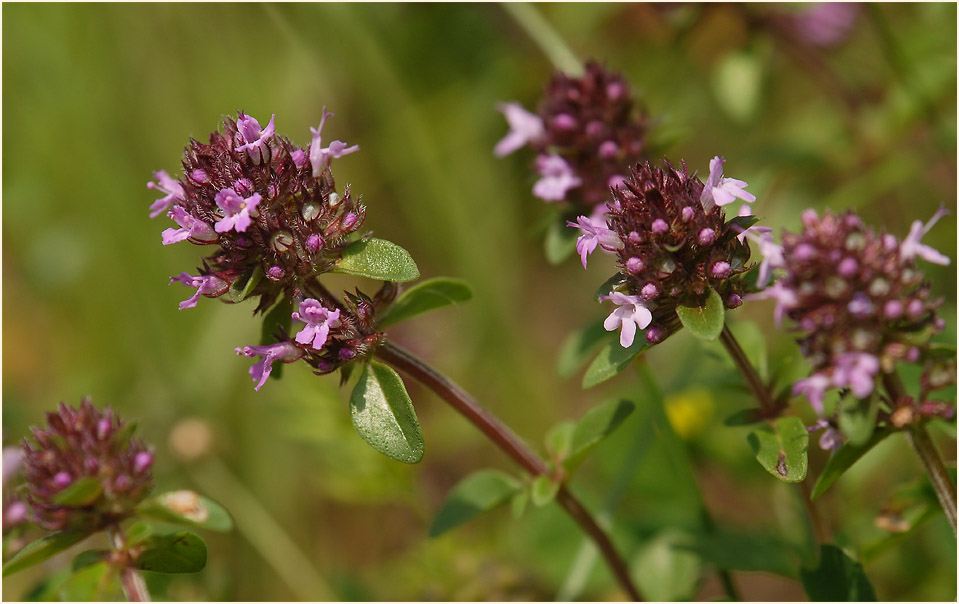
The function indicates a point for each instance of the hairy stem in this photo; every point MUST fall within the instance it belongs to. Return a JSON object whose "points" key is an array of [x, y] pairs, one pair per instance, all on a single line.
{"points": [[134, 587], [504, 438], [918, 437], [541, 32], [755, 383]]}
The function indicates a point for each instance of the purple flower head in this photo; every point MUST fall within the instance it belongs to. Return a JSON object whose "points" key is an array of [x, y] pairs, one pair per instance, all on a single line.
{"points": [[190, 228], [594, 233], [720, 191], [910, 247], [857, 371], [206, 285], [320, 157], [87, 444], [523, 128], [285, 352], [238, 210], [319, 320], [172, 189], [557, 178], [630, 315], [255, 138], [826, 24]]}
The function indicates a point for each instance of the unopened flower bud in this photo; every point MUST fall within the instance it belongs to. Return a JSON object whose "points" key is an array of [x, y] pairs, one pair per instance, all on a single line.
{"points": [[706, 236], [660, 226]]}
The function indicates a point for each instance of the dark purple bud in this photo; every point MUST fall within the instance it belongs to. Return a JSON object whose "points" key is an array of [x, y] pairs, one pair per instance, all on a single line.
{"points": [[915, 309], [349, 220], [892, 309], [275, 273], [720, 270], [142, 462], [564, 121], [649, 291], [635, 237], [634, 265], [595, 129], [103, 429], [848, 267], [912, 355], [347, 354], [62, 480], [660, 226], [314, 243], [91, 465], [655, 334], [804, 252], [199, 176], [615, 91], [860, 305], [688, 214], [707, 236], [608, 150], [122, 483], [734, 301]]}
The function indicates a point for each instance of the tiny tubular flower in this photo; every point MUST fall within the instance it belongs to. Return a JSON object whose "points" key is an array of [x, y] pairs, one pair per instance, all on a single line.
{"points": [[720, 191], [856, 370], [557, 178], [320, 157], [630, 315], [285, 352], [814, 388], [169, 186], [255, 137], [785, 298], [319, 321], [190, 228], [523, 128], [206, 285], [238, 210], [910, 246], [595, 232], [831, 438]]}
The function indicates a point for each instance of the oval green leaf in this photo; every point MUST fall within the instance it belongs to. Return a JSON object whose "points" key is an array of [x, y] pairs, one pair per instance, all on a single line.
{"points": [[477, 493], [543, 490], [781, 448], [425, 296], [83, 491], [182, 552], [837, 579], [578, 347], [704, 322], [97, 582], [241, 289], [842, 460], [377, 259], [612, 359], [186, 508], [667, 572], [560, 242], [857, 418], [598, 423], [41, 550], [383, 414]]}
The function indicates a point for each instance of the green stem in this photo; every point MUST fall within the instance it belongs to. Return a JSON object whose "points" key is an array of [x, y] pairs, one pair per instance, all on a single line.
{"points": [[541, 32], [922, 444], [266, 536], [506, 440], [134, 587]]}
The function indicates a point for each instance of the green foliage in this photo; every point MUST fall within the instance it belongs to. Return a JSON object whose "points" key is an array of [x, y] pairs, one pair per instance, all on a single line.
{"points": [[737, 84], [837, 579], [241, 289], [578, 347], [843, 459], [704, 322], [378, 259], [477, 493], [543, 490], [857, 418], [97, 582], [598, 423], [182, 552], [747, 551], [184, 508], [666, 571], [781, 448], [88, 557], [383, 414], [83, 491], [41, 550], [612, 359], [424, 297]]}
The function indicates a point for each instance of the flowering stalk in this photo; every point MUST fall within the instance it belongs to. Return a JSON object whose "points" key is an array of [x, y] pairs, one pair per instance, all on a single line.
{"points": [[504, 438], [767, 404], [132, 581]]}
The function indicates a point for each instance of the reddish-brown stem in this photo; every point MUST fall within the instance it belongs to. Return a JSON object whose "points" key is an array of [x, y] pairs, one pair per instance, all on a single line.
{"points": [[918, 437], [134, 587], [504, 438], [755, 383]]}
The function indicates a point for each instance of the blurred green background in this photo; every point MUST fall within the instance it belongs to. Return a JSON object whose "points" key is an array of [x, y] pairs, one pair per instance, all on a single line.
{"points": [[95, 97]]}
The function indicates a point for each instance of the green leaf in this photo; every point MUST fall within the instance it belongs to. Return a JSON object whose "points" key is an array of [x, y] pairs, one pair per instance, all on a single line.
{"points": [[738, 224], [559, 439], [781, 448], [667, 573], [377, 259], [425, 296], [383, 414], [857, 418], [837, 579], [182, 552], [186, 508], [83, 491], [241, 289], [517, 504], [746, 551], [543, 490], [843, 459], [94, 583], [560, 242], [612, 359], [87, 558], [704, 322], [609, 285], [744, 417], [595, 425], [737, 84], [41, 550], [578, 347], [477, 493], [140, 530]]}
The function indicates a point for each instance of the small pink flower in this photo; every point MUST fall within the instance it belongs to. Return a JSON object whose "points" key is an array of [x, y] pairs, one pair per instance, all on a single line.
{"points": [[785, 298], [254, 137], [524, 127], [910, 247], [557, 178], [190, 228], [630, 315], [720, 191], [285, 352], [238, 210], [814, 389], [206, 285], [595, 233], [167, 185], [857, 371], [319, 321], [321, 157]]}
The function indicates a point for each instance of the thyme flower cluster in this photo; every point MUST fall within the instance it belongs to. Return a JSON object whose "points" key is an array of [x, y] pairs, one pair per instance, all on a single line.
{"points": [[277, 220], [861, 302], [585, 132], [89, 445]]}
